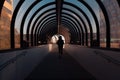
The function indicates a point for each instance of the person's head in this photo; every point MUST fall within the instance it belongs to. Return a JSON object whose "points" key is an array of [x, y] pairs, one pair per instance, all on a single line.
{"points": [[60, 37]]}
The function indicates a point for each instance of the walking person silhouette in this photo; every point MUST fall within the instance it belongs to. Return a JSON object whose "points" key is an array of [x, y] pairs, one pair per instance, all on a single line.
{"points": [[60, 44]]}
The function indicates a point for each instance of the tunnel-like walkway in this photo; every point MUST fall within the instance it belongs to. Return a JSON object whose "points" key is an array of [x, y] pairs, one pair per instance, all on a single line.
{"points": [[29, 30], [43, 62], [28, 23], [58, 67]]}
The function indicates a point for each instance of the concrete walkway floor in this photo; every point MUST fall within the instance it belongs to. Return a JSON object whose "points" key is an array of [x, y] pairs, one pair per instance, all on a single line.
{"points": [[102, 64], [54, 67], [78, 62]]}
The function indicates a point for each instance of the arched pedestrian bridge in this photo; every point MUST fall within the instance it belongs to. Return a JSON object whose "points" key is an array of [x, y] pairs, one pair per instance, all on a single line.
{"points": [[29, 30]]}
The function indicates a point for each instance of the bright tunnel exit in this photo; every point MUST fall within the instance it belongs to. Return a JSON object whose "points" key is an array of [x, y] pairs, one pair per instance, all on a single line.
{"points": [[54, 38]]}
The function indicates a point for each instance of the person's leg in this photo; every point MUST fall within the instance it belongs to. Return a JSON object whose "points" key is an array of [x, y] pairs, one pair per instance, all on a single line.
{"points": [[61, 50]]}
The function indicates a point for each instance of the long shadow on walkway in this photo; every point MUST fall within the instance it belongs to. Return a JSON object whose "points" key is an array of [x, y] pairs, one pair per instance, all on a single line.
{"points": [[56, 68]]}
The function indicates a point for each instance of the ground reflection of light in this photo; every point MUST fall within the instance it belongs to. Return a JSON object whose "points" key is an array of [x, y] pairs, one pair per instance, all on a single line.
{"points": [[50, 46], [64, 46]]}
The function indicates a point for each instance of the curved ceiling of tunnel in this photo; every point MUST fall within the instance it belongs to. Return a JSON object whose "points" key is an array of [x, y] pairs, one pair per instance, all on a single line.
{"points": [[53, 21], [47, 1], [83, 11], [46, 21]]}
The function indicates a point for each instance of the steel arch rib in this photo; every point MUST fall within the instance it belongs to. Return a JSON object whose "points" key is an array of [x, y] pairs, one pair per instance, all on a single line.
{"points": [[1, 5], [74, 33], [37, 19], [40, 20], [48, 20], [95, 19], [23, 20], [13, 23], [108, 39], [78, 26], [33, 34], [42, 24], [90, 26], [29, 23], [79, 30], [38, 29], [85, 26], [50, 24], [70, 23]]}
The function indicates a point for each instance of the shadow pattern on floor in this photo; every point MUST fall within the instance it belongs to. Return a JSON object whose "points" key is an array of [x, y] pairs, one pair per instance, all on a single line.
{"points": [[54, 67]]}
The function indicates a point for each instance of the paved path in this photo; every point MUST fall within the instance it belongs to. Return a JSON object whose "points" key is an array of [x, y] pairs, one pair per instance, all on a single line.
{"points": [[54, 67], [102, 64]]}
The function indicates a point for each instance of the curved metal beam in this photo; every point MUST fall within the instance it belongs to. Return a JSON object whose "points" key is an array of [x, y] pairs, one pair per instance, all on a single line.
{"points": [[37, 25], [41, 24], [108, 39], [23, 21], [35, 31], [1, 6], [72, 31], [48, 26], [72, 24], [99, 3], [37, 11], [79, 26], [85, 26], [41, 20], [12, 34], [75, 24], [36, 28], [68, 22], [48, 31], [95, 18], [37, 19], [52, 24], [55, 19], [47, 22], [32, 29], [90, 24], [69, 26], [52, 20]]}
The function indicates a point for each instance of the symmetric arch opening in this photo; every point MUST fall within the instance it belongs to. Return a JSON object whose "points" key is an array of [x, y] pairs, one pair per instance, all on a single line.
{"points": [[62, 13]]}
